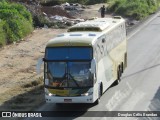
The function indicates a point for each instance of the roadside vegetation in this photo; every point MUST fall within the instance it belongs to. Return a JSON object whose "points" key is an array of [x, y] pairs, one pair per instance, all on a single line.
{"points": [[135, 9], [15, 22]]}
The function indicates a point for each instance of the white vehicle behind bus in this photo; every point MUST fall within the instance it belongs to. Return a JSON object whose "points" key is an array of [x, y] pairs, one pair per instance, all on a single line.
{"points": [[82, 63]]}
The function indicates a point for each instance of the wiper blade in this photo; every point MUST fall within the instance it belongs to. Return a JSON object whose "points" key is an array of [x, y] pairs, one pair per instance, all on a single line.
{"points": [[74, 80]]}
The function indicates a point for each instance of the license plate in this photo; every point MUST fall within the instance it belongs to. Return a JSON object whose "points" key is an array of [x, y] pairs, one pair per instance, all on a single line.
{"points": [[67, 100]]}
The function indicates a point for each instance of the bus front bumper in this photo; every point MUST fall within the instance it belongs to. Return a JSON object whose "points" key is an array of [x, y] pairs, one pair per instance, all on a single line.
{"points": [[78, 99]]}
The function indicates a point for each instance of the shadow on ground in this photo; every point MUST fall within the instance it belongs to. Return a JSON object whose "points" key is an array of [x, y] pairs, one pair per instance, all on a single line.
{"points": [[155, 102], [25, 102]]}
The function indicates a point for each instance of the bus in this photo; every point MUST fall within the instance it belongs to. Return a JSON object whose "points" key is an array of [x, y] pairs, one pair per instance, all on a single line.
{"points": [[81, 64]]}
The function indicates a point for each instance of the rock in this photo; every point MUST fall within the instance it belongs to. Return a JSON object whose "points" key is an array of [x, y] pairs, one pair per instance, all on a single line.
{"points": [[14, 43], [44, 14], [41, 51], [55, 26], [133, 22], [69, 23], [45, 26]]}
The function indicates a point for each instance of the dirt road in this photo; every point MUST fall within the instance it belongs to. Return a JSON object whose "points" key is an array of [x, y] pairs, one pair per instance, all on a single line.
{"points": [[18, 63], [92, 11]]}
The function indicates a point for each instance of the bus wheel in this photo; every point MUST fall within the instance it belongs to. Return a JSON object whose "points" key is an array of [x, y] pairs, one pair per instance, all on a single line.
{"points": [[97, 101], [118, 75], [119, 72], [100, 92], [125, 59], [122, 67]]}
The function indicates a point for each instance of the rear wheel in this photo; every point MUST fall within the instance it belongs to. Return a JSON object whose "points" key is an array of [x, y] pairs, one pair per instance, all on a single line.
{"points": [[125, 60], [122, 67], [119, 72]]}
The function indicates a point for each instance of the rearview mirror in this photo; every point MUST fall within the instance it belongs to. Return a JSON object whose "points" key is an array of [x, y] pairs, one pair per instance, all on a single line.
{"points": [[93, 66], [39, 64]]}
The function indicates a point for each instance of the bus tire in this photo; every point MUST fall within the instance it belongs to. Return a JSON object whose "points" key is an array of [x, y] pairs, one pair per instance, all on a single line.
{"points": [[97, 101], [118, 75], [100, 92], [125, 60], [122, 67], [119, 72]]}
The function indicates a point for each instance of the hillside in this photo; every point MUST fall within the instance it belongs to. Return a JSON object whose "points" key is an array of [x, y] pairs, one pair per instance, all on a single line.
{"points": [[64, 13]]}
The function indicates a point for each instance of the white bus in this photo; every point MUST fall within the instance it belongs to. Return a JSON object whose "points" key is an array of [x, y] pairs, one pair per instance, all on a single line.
{"points": [[82, 63]]}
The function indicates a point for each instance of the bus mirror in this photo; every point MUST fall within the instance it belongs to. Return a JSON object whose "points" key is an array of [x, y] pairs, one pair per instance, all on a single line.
{"points": [[38, 66], [93, 66]]}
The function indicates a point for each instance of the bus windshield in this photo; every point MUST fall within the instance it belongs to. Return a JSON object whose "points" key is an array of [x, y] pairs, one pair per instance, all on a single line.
{"points": [[68, 66], [69, 74]]}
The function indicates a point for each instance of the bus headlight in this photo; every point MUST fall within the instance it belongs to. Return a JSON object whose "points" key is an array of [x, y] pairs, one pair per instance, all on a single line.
{"points": [[87, 94], [48, 93]]}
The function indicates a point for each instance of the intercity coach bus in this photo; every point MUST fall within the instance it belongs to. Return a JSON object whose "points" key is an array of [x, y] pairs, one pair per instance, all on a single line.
{"points": [[82, 63]]}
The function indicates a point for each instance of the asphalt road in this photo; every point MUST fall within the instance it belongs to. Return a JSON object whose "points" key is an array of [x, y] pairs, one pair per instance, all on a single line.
{"points": [[139, 89]]}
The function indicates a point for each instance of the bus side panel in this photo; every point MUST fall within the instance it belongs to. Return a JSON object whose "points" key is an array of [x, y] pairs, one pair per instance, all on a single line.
{"points": [[105, 72], [118, 54]]}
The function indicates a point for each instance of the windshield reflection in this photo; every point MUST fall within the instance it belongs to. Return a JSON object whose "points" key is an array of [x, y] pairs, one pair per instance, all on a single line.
{"points": [[80, 72], [69, 74]]}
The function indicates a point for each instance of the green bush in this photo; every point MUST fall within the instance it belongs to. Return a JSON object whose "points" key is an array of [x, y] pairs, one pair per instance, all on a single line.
{"points": [[18, 21], [137, 9], [17, 29], [23, 11], [2, 33]]}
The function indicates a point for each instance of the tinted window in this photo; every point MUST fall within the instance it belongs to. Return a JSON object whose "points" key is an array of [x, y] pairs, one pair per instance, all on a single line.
{"points": [[83, 53]]}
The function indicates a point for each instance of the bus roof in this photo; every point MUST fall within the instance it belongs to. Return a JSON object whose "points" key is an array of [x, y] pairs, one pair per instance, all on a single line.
{"points": [[73, 39], [97, 25], [87, 35]]}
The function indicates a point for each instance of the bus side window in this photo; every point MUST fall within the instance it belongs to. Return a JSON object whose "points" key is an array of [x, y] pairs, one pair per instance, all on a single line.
{"points": [[103, 44]]}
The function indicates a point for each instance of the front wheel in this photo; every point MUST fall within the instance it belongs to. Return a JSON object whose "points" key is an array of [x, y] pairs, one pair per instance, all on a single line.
{"points": [[97, 101], [100, 92]]}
